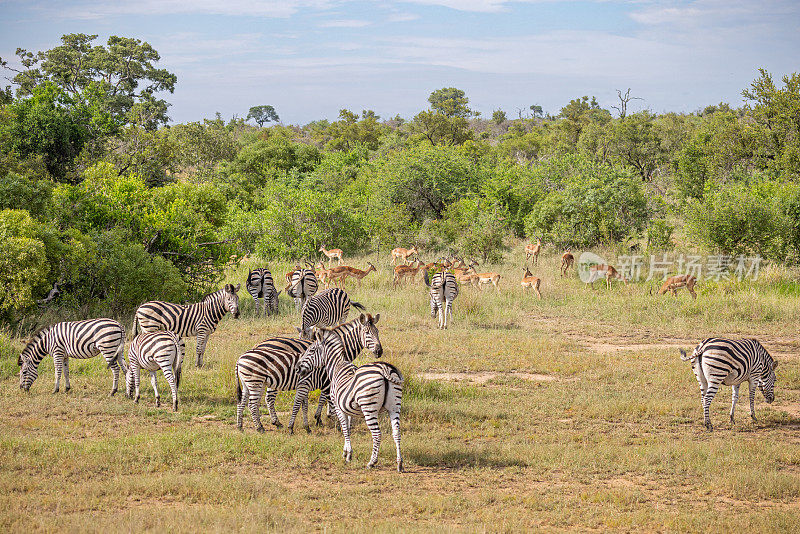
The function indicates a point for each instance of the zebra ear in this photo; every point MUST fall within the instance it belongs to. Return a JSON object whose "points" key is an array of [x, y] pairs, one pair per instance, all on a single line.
{"points": [[362, 319], [19, 360], [229, 288], [376, 318], [299, 330], [237, 288], [774, 364]]}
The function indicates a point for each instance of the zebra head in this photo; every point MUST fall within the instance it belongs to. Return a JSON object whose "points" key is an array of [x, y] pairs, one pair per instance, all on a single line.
{"points": [[368, 333], [315, 355], [231, 300], [29, 360], [767, 381]]}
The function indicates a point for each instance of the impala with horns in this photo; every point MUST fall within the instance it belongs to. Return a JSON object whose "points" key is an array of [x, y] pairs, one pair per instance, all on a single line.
{"points": [[531, 282]]}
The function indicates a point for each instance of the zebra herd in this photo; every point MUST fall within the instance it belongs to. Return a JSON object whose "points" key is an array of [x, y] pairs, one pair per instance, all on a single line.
{"points": [[321, 358]]}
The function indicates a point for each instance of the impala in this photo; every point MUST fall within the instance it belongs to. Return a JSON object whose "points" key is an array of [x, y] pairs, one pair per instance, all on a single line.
{"points": [[531, 282], [532, 250], [333, 253], [358, 274], [404, 253], [567, 259], [596, 271], [406, 271], [673, 283], [487, 278]]}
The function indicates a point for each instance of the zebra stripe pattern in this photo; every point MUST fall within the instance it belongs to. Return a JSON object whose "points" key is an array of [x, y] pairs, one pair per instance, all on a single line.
{"points": [[153, 351], [271, 365], [199, 319], [718, 361], [76, 339], [302, 286], [328, 308], [364, 390], [444, 290], [260, 285]]}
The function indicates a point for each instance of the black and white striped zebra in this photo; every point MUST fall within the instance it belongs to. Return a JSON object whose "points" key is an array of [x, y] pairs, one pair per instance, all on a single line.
{"points": [[718, 361], [260, 285], [302, 286], [364, 390], [327, 308], [199, 319], [152, 351], [271, 365], [74, 339], [444, 290]]}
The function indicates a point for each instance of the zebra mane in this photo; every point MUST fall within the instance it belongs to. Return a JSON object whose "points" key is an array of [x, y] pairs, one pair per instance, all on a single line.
{"points": [[211, 295], [34, 339]]}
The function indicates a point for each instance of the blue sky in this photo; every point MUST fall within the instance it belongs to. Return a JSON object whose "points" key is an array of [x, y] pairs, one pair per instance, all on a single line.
{"points": [[310, 58]]}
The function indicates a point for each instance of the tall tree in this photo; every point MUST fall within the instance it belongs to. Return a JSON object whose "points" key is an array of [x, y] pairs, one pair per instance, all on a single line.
{"points": [[263, 115], [450, 102]]}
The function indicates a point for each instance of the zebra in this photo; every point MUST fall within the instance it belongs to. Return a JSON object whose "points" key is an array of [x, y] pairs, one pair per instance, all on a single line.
{"points": [[198, 319], [327, 308], [272, 365], [718, 361], [259, 284], [153, 351], [75, 339], [364, 390], [302, 286], [444, 290]]}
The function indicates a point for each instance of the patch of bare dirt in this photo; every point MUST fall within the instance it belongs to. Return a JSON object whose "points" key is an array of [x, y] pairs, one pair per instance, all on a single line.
{"points": [[482, 377]]}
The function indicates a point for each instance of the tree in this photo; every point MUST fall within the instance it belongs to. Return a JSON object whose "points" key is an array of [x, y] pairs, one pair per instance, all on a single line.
{"points": [[635, 142], [579, 113], [263, 115], [450, 102], [622, 109], [537, 110], [123, 72], [499, 116]]}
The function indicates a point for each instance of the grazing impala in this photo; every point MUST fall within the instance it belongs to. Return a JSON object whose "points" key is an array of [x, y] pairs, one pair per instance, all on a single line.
{"points": [[596, 271], [358, 274], [337, 275], [487, 278], [332, 253], [567, 259], [406, 271], [674, 283], [531, 282], [532, 250], [404, 253]]}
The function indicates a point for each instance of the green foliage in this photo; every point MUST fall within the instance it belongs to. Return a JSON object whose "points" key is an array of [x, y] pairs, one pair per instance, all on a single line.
{"points": [[499, 116], [263, 115], [23, 263], [477, 228], [659, 234], [634, 141], [349, 132], [450, 102], [17, 190]]}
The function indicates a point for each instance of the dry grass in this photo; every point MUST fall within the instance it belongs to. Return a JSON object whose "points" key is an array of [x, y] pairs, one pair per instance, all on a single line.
{"points": [[613, 439]]}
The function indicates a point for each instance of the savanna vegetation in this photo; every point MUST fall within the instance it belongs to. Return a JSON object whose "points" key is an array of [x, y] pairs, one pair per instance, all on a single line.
{"points": [[569, 412]]}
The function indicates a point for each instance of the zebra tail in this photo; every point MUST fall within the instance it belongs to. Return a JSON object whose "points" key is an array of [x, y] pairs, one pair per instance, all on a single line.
{"points": [[686, 358], [357, 305], [135, 329], [391, 374], [238, 383]]}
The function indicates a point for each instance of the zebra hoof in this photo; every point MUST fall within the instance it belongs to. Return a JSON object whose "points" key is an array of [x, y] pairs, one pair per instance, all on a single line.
{"points": [[260, 430], [175, 407], [113, 392], [55, 390], [277, 424], [158, 403], [709, 427], [239, 427], [371, 465], [307, 429], [291, 431], [66, 389], [400, 466], [318, 421]]}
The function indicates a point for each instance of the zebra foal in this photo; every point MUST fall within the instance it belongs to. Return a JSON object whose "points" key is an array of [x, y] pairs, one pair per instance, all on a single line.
{"points": [[153, 351], [718, 361], [199, 319], [365, 390], [74, 339], [443, 290], [327, 308], [260, 285], [272, 365]]}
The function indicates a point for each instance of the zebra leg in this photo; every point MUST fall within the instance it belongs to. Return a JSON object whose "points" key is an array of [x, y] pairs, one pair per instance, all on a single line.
{"points": [[155, 388], [115, 367], [136, 380], [300, 400], [395, 417], [752, 392], [270, 398], [58, 363], [170, 376], [67, 387], [347, 452], [711, 391], [202, 339], [371, 418], [449, 310], [323, 400], [241, 404], [255, 412], [734, 398]]}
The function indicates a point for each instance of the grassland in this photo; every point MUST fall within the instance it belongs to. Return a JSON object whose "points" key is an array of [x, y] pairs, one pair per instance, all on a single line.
{"points": [[573, 412]]}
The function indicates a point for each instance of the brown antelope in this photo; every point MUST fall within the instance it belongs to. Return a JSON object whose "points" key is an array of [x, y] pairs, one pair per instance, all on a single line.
{"points": [[533, 250], [332, 253], [531, 282], [358, 274], [404, 253], [487, 278], [673, 283], [337, 275], [567, 259], [406, 271], [323, 274], [596, 271], [464, 276]]}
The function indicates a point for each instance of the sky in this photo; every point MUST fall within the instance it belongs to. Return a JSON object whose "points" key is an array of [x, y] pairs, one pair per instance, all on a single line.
{"points": [[311, 58]]}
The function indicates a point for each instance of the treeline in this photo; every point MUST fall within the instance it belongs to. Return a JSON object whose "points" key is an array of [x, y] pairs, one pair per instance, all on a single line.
{"points": [[98, 193]]}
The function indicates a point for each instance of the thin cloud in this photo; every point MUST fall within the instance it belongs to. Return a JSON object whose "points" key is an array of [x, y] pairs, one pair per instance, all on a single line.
{"points": [[253, 8], [345, 23]]}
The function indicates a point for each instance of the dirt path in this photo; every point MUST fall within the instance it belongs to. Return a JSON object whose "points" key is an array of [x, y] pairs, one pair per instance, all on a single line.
{"points": [[481, 377]]}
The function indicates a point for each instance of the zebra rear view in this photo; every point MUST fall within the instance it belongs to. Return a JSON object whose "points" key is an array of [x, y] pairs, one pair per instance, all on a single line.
{"points": [[444, 290], [260, 285], [302, 286], [199, 319], [75, 339], [153, 351], [718, 361], [327, 308]]}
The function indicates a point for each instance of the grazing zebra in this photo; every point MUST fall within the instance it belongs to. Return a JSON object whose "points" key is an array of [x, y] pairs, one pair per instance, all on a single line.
{"points": [[328, 308], [76, 339], [259, 284], [444, 290], [302, 286], [153, 351], [718, 361], [364, 390], [198, 319], [271, 365]]}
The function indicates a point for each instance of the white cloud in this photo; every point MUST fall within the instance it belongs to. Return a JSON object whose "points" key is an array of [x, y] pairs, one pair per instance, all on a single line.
{"points": [[96, 9], [345, 23]]}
